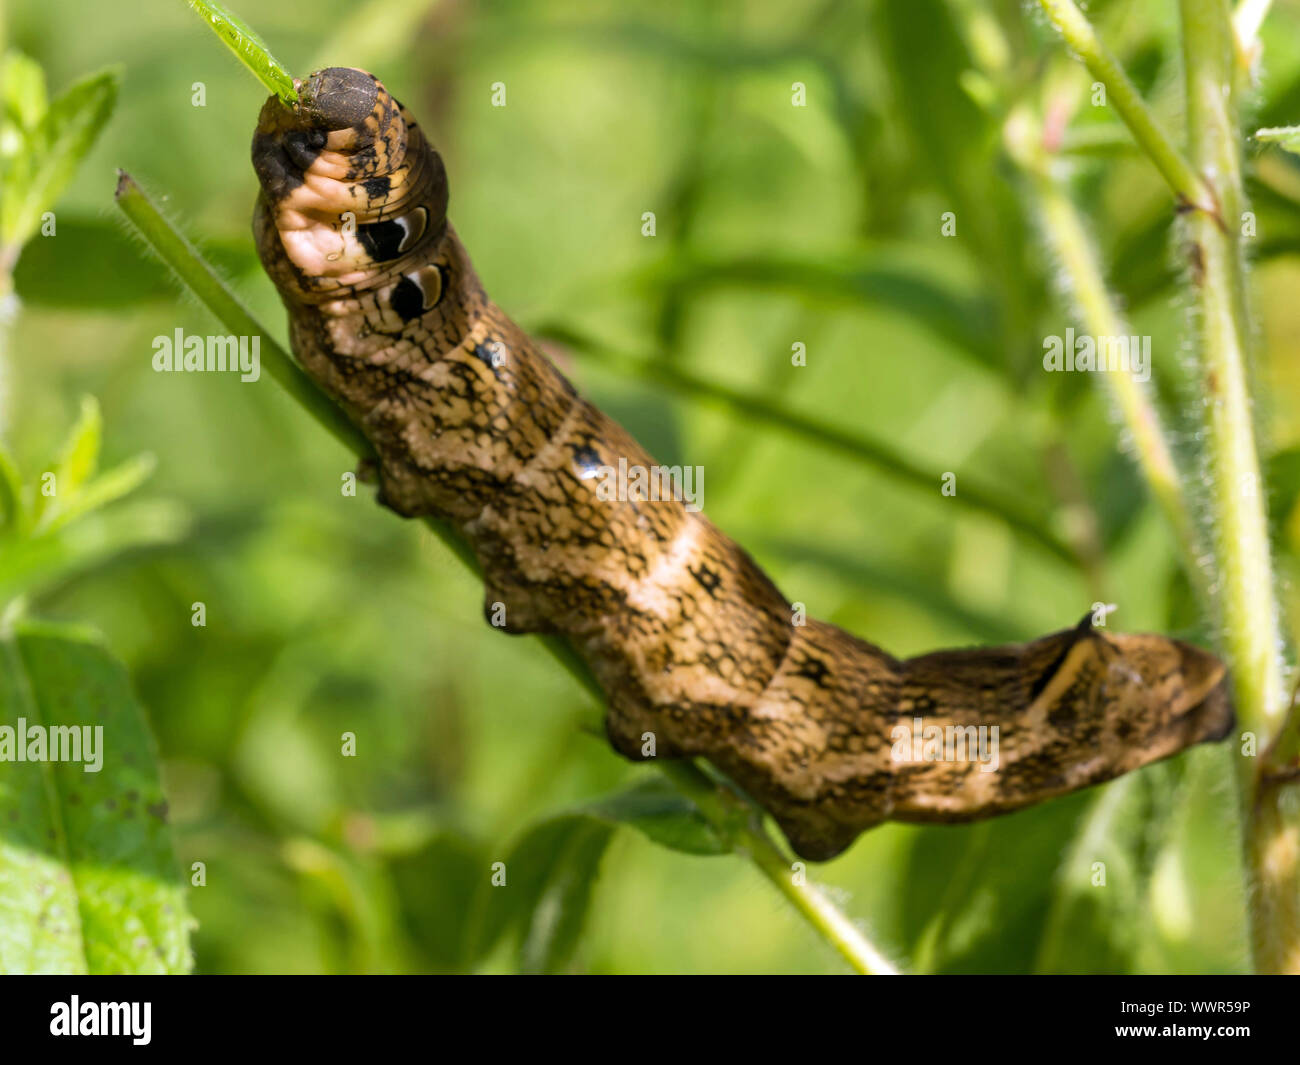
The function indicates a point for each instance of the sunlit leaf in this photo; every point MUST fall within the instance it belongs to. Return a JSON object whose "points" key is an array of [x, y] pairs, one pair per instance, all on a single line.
{"points": [[76, 463], [55, 148], [109, 487], [25, 98], [88, 880]]}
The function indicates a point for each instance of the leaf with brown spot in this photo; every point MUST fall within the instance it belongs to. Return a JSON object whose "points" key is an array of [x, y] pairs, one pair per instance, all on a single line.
{"points": [[84, 887]]}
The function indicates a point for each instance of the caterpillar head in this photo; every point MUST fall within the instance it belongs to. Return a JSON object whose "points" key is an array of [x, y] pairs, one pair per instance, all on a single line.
{"points": [[351, 190]]}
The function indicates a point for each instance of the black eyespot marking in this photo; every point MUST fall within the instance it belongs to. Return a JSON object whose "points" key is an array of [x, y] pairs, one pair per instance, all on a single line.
{"points": [[407, 299], [382, 240], [377, 186], [392, 237]]}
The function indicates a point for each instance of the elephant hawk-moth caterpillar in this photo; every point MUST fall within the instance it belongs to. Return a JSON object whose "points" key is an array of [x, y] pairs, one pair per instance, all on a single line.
{"points": [[686, 635]]}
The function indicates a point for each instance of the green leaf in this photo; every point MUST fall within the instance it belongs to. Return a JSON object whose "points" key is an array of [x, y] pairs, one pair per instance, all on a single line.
{"points": [[50, 539], [1098, 912], [29, 566], [105, 489], [12, 512], [543, 903], [435, 886], [560, 911], [88, 880], [979, 895], [76, 463], [1283, 477], [248, 46], [1287, 137], [551, 871], [25, 100], [55, 149], [662, 815], [81, 451], [94, 264]]}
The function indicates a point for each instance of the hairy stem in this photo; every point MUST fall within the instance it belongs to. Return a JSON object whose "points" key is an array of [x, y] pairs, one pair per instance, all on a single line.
{"points": [[1123, 96], [176, 252], [750, 839], [1251, 635], [1066, 235], [1209, 188], [747, 835]]}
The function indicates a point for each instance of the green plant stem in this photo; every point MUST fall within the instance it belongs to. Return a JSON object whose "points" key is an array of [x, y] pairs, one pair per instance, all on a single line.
{"points": [[177, 253], [1065, 233], [247, 47], [1123, 96], [748, 836], [1251, 635], [8, 314], [750, 839], [878, 454]]}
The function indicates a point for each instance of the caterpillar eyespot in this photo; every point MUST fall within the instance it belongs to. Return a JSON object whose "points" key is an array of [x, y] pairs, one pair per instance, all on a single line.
{"points": [[407, 298], [393, 237], [689, 639]]}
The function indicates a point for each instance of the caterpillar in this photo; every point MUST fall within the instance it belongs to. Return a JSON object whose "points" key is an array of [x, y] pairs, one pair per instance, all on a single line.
{"points": [[690, 641]]}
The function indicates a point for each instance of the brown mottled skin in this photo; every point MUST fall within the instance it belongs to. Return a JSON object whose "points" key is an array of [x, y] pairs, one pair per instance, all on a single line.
{"points": [[689, 639]]}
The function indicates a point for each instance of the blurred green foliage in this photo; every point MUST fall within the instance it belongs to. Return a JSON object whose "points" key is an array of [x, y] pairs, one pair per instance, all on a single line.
{"points": [[776, 225], [88, 878]]}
